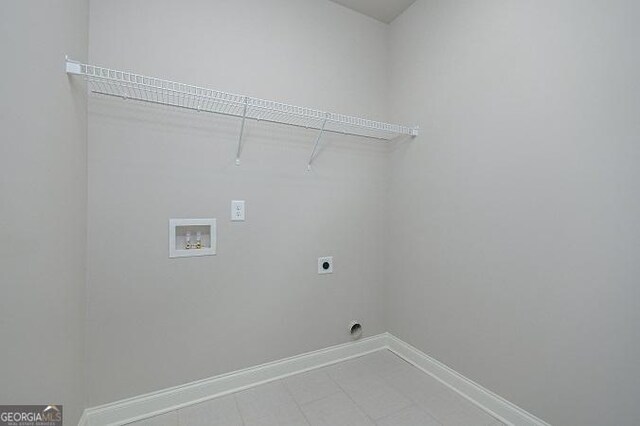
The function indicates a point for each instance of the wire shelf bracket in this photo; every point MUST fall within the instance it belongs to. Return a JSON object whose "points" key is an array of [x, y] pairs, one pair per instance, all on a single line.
{"points": [[127, 85], [315, 145], [244, 118]]}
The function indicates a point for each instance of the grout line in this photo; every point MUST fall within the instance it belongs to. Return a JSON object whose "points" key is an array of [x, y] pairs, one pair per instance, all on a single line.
{"points": [[349, 396], [418, 407], [286, 389], [235, 400], [315, 399], [412, 402]]}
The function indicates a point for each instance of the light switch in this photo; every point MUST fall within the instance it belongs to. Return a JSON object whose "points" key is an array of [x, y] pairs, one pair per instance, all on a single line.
{"points": [[237, 210]]}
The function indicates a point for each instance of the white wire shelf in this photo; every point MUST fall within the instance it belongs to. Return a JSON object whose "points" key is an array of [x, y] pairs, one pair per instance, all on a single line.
{"points": [[126, 85]]}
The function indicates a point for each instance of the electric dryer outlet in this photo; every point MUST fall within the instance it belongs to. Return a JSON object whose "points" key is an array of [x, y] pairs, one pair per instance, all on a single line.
{"points": [[325, 265]]}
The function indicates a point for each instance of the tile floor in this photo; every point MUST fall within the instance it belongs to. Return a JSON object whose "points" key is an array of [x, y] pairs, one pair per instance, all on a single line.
{"points": [[376, 389]]}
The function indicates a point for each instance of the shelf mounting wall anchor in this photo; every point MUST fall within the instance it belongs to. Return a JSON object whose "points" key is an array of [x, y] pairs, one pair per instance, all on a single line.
{"points": [[72, 67], [315, 146], [244, 118]]}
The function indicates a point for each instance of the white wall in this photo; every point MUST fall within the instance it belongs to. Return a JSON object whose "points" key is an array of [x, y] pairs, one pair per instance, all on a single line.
{"points": [[43, 204], [518, 263], [155, 322]]}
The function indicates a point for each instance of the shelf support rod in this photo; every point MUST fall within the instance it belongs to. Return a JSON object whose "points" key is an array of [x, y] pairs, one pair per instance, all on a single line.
{"points": [[315, 146], [244, 118]]}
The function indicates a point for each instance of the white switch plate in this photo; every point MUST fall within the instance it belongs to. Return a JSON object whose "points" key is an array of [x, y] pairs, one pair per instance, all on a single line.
{"points": [[321, 265], [237, 210]]}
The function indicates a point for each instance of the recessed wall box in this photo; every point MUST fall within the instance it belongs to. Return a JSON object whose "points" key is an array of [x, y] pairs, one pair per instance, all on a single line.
{"points": [[192, 237]]}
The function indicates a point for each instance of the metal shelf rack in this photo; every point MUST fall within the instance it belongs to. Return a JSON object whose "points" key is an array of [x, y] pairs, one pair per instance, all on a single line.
{"points": [[126, 85]]}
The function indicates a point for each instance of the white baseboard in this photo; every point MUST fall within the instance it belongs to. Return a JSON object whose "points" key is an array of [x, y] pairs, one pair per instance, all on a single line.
{"points": [[152, 404], [83, 419], [497, 406]]}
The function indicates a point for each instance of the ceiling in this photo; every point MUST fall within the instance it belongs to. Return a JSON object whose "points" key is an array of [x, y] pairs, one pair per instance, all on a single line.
{"points": [[382, 10]]}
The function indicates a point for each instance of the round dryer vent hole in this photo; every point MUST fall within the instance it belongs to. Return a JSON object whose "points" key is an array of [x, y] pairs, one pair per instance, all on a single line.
{"points": [[355, 329]]}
